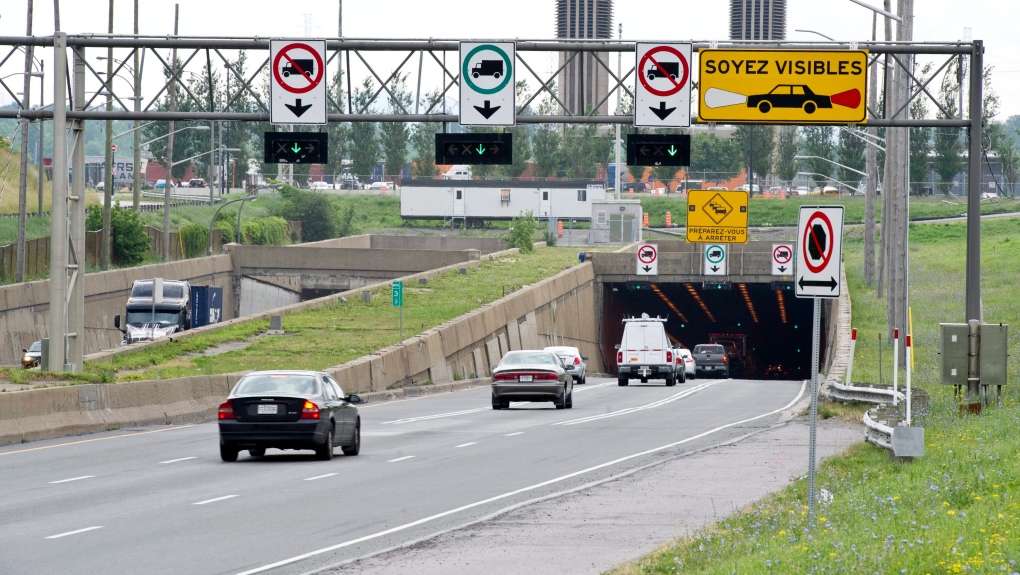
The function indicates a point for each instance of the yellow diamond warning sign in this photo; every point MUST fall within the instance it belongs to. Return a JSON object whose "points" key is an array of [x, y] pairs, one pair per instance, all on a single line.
{"points": [[716, 216], [783, 86]]}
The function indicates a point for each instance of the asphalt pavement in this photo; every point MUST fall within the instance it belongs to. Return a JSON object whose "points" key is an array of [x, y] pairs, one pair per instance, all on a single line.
{"points": [[159, 500]]}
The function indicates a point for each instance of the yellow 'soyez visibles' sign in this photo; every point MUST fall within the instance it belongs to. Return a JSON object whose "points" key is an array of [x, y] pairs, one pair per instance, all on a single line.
{"points": [[717, 216], [783, 86]]}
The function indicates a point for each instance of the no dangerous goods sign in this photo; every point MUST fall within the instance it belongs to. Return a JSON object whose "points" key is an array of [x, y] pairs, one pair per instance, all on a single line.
{"points": [[297, 89], [783, 86], [717, 216]]}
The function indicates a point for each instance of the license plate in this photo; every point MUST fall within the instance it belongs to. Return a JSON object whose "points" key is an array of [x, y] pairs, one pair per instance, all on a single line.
{"points": [[268, 409], [525, 378]]}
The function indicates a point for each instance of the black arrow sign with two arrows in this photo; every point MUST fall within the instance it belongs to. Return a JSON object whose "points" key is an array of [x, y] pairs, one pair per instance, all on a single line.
{"points": [[831, 284]]}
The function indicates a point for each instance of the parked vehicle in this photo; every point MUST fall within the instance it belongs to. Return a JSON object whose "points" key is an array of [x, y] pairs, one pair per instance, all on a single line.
{"points": [[802, 190], [320, 186], [573, 362], [180, 306], [195, 183], [684, 361], [32, 356], [711, 358], [385, 186], [531, 376], [645, 352], [288, 410], [745, 187], [161, 185], [458, 172]]}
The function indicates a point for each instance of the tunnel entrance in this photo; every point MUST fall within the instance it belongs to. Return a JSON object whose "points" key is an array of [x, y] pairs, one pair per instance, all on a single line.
{"points": [[775, 324]]}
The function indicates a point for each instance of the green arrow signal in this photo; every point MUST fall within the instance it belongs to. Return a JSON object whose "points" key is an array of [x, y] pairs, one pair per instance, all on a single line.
{"points": [[296, 148], [480, 149], [672, 150]]}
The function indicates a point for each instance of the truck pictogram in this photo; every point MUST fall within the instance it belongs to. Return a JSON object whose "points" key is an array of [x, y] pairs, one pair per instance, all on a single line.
{"points": [[492, 68], [672, 69], [306, 67]]}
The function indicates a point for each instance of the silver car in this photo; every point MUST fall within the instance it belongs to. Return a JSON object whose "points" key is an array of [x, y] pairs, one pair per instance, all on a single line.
{"points": [[575, 364], [531, 376]]}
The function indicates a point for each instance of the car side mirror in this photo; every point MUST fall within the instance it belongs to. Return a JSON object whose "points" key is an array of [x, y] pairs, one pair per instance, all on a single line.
{"points": [[584, 358], [116, 321], [353, 398], [617, 346], [24, 351]]}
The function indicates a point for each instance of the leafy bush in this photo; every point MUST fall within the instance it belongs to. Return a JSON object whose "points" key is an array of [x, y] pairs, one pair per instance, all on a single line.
{"points": [[521, 233], [195, 238], [318, 217], [270, 231], [550, 239], [130, 243]]}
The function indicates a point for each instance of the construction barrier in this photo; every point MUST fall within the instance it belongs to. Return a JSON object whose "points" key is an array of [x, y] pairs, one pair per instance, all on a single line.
{"points": [[559, 229], [646, 219], [669, 220]]}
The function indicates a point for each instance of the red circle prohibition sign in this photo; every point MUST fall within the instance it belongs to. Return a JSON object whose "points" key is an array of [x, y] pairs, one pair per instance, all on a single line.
{"points": [[778, 259], [809, 236], [641, 253], [312, 82], [677, 85]]}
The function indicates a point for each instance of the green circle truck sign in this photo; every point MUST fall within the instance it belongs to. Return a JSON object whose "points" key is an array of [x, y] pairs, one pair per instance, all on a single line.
{"points": [[487, 88]]}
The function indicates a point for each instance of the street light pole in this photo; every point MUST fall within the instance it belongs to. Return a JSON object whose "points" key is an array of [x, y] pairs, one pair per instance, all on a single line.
{"points": [[42, 133], [170, 145], [19, 273], [136, 184], [104, 256]]}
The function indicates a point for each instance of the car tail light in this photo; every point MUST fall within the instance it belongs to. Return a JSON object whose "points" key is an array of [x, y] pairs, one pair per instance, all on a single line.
{"points": [[619, 357], [546, 376], [577, 361], [724, 358], [669, 356], [226, 410], [310, 411]]}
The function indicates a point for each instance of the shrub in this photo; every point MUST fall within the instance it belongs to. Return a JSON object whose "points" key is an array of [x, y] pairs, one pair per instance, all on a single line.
{"points": [[521, 233], [271, 231], [195, 238], [130, 243], [318, 216]]}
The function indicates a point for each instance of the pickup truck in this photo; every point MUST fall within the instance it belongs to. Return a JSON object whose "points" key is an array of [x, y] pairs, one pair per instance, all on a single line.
{"points": [[710, 358]]}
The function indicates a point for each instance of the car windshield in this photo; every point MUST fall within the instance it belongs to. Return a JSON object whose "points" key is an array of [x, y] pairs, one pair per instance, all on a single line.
{"points": [[708, 349], [528, 358], [279, 383], [145, 317], [37, 346]]}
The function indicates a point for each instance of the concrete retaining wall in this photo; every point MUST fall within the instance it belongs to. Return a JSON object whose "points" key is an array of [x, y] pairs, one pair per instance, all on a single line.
{"points": [[257, 297], [25, 307], [437, 243]]}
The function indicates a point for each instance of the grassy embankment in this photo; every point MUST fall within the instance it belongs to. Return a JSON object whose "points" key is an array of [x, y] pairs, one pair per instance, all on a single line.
{"points": [[772, 212], [338, 333], [955, 510]]}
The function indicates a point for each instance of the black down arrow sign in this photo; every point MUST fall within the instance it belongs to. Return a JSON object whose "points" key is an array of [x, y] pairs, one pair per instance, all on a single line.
{"points": [[487, 111], [647, 269], [662, 111], [297, 108]]}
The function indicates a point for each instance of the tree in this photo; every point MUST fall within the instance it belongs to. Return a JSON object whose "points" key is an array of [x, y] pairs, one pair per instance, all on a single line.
{"points": [[786, 166], [920, 139], [364, 145], [948, 142], [522, 140], [423, 140], [317, 214], [545, 145], [587, 149], [338, 132], [818, 142], [763, 139], [394, 135], [130, 242], [850, 149], [713, 155], [187, 142]]}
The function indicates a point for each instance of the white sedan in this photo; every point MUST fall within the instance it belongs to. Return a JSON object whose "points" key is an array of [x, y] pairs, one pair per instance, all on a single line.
{"points": [[573, 362], [683, 356]]}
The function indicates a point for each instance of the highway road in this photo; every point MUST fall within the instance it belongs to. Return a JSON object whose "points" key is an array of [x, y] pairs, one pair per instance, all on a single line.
{"points": [[159, 500]]}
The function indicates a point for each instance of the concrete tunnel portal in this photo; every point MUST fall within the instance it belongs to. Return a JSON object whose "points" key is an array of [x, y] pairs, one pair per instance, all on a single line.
{"points": [[748, 302]]}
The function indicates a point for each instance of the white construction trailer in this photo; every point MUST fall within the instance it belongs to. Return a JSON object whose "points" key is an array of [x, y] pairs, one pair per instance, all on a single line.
{"points": [[471, 203]]}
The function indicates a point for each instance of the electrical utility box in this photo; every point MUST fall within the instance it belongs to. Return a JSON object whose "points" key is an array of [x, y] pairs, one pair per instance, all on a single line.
{"points": [[993, 353], [954, 354]]}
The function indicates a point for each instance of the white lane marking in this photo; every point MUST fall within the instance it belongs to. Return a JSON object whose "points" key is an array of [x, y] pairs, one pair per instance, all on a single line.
{"points": [[96, 439], [466, 444], [559, 479], [400, 459], [578, 387], [214, 500], [75, 532], [654, 404], [513, 434], [176, 460], [73, 479], [320, 477], [437, 416]]}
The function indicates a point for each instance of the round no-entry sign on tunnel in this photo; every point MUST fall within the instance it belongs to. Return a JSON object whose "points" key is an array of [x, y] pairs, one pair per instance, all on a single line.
{"points": [[298, 68]]}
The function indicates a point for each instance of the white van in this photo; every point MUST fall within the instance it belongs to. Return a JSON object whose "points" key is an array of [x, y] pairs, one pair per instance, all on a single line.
{"points": [[458, 173], [645, 352]]}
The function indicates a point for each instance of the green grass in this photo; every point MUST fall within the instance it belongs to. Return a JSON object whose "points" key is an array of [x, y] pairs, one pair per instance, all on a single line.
{"points": [[772, 212], [332, 335], [953, 510]]}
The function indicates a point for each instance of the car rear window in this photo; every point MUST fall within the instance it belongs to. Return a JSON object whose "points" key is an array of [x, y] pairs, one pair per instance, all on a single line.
{"points": [[525, 358], [708, 349], [285, 384]]}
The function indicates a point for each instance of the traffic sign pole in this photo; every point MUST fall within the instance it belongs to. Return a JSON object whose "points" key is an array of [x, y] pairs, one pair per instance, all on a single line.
{"points": [[816, 330]]}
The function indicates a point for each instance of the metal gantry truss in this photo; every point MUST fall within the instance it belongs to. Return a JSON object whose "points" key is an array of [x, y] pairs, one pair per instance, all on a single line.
{"points": [[387, 63]]}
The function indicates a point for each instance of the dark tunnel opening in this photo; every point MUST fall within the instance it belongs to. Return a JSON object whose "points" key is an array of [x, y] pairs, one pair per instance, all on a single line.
{"points": [[775, 324]]}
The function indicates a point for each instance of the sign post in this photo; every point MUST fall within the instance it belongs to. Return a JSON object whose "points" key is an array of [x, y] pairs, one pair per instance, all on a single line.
{"points": [[487, 87], [648, 260], [398, 302], [296, 88], [818, 257], [662, 93]]}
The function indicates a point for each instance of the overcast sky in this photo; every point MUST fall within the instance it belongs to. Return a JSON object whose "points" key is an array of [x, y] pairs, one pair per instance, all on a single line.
{"points": [[992, 21]]}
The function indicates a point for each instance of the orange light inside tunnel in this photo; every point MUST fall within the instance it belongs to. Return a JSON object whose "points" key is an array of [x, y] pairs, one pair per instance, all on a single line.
{"points": [[700, 302], [669, 304], [747, 300], [782, 305]]}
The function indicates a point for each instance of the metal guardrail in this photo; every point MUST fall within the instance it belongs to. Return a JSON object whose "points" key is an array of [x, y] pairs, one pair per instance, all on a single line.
{"points": [[871, 393], [877, 432], [880, 420]]}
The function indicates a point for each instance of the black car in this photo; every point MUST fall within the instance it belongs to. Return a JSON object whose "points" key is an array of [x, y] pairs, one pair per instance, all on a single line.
{"points": [[289, 410], [789, 96]]}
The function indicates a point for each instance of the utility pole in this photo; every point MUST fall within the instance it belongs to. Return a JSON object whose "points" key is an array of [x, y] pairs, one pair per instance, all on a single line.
{"points": [[42, 134], [104, 256], [136, 184], [170, 144], [872, 169], [19, 274]]}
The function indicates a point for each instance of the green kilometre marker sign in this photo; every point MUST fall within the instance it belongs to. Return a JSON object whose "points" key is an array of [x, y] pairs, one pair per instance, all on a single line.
{"points": [[398, 302]]}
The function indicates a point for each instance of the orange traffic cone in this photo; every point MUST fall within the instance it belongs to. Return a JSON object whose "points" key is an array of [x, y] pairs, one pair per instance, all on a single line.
{"points": [[559, 229], [632, 192], [669, 220], [646, 219], [384, 189]]}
